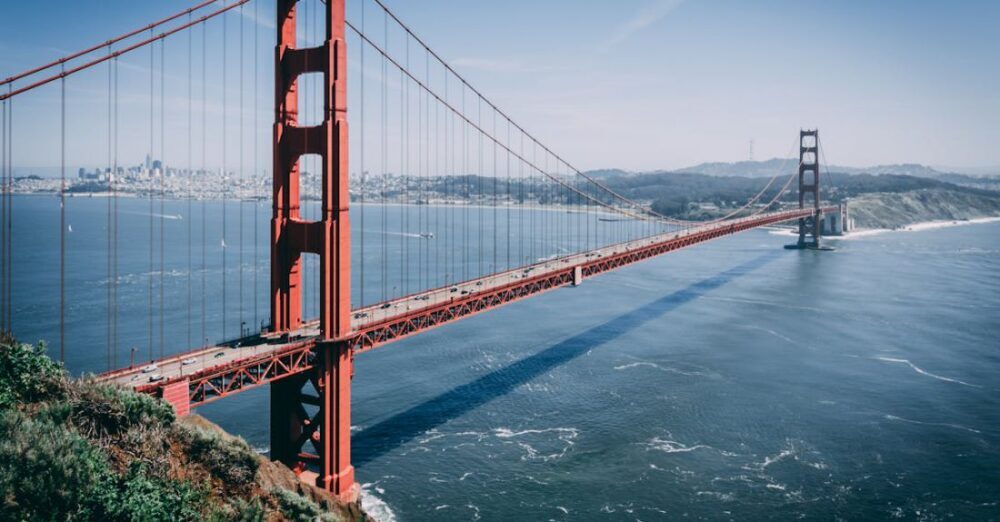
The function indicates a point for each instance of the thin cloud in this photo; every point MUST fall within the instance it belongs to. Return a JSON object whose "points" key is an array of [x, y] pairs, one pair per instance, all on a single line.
{"points": [[505, 66], [646, 16], [486, 64]]}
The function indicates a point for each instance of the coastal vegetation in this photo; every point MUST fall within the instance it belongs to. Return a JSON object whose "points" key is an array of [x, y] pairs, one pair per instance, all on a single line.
{"points": [[77, 449]]}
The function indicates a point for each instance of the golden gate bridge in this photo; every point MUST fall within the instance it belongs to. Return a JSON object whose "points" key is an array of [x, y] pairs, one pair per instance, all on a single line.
{"points": [[510, 218]]}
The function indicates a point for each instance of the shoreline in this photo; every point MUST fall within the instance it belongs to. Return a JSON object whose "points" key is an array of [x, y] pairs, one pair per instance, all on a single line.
{"points": [[920, 226], [569, 209]]}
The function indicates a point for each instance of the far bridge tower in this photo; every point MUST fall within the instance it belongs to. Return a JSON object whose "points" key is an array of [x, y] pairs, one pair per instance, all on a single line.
{"points": [[810, 227]]}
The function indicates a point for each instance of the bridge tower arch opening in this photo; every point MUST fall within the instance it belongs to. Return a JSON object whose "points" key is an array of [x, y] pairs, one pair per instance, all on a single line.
{"points": [[299, 418]]}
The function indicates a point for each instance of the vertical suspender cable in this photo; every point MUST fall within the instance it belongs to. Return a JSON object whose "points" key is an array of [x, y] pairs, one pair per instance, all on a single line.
{"points": [[507, 201], [163, 186], [479, 186], [3, 218], [439, 142], [225, 168], [364, 173], [190, 175], [3, 215], [523, 220], [205, 178], [149, 189], [421, 176], [62, 225], [465, 191], [494, 268], [239, 194], [9, 284], [256, 200], [361, 164], [449, 153], [385, 161], [114, 231], [108, 226], [404, 145], [534, 190]]}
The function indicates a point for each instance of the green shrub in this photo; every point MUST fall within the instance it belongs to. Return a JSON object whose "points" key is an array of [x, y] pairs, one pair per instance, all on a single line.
{"points": [[239, 510], [106, 410], [46, 471], [299, 508], [27, 375], [229, 459], [139, 496]]}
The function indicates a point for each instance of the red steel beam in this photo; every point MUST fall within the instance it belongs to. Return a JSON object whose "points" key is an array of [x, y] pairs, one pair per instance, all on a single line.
{"points": [[417, 321]]}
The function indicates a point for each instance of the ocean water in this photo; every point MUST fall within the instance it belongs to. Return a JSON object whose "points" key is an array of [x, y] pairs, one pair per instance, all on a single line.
{"points": [[733, 380]]}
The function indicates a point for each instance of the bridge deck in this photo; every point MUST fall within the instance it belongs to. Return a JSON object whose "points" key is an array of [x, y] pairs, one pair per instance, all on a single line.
{"points": [[219, 370]]}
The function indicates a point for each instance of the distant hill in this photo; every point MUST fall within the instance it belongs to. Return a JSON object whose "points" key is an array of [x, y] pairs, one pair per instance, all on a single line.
{"points": [[699, 196], [606, 173], [743, 169], [768, 168], [779, 166]]}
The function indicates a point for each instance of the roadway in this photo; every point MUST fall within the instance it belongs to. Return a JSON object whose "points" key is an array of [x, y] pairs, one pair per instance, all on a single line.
{"points": [[205, 359]]}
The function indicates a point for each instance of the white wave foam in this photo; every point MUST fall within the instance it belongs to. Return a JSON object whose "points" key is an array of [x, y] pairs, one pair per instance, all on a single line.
{"points": [[793, 450], [506, 433], [725, 497], [942, 424], [925, 372], [769, 331], [375, 507], [565, 435], [785, 453], [174, 217], [672, 446], [656, 366], [432, 435]]}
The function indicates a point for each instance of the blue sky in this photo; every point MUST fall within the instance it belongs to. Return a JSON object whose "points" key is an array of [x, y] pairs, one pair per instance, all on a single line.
{"points": [[649, 84]]}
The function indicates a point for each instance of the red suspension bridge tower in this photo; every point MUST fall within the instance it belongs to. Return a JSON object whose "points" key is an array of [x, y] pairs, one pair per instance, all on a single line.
{"points": [[293, 427], [810, 227]]}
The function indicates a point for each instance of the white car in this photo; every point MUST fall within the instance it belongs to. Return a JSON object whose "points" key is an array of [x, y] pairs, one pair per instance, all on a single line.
{"points": [[155, 377], [149, 368], [189, 360]]}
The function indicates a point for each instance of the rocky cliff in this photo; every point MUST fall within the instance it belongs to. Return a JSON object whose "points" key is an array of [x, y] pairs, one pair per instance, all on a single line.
{"points": [[894, 210]]}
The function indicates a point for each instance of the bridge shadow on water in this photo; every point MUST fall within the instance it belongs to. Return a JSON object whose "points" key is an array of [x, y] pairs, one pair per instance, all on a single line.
{"points": [[378, 439]]}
